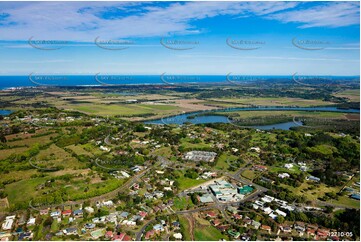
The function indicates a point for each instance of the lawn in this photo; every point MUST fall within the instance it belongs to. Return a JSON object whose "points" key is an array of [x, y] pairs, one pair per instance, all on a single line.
{"points": [[208, 233], [187, 144], [185, 224], [249, 174], [319, 191], [79, 150], [181, 203], [55, 156], [125, 110], [352, 94], [23, 190], [31, 141], [185, 182], [222, 161], [273, 101], [278, 169], [7, 152]]}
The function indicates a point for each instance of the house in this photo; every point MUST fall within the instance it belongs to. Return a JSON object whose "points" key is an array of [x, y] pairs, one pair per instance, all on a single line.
{"points": [[300, 226], [149, 234], [78, 213], [211, 214], [8, 223], [323, 233], [124, 214], [283, 175], [255, 149], [109, 234], [233, 233], [313, 178], [279, 212], [255, 224], [158, 227], [267, 210], [66, 212], [89, 226], [303, 168], [216, 222], [30, 222], [70, 231], [178, 236], [108, 203], [129, 223], [247, 221], [119, 237], [103, 148], [89, 209], [260, 168], [311, 232], [143, 214], [44, 211], [289, 166], [55, 214], [237, 216], [286, 228], [266, 228]]}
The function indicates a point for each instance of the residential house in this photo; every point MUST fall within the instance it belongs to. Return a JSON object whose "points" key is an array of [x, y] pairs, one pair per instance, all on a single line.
{"points": [[211, 214], [299, 226], [8, 223], [44, 211], [233, 233], [286, 228], [216, 222], [70, 231], [143, 214], [66, 212], [255, 224], [266, 228], [283, 175], [78, 213], [109, 234], [31, 221], [89, 226], [89, 209], [178, 236], [55, 214], [313, 178], [149, 234], [158, 227]]}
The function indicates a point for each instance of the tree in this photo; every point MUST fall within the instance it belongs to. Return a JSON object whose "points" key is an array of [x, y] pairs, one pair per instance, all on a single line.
{"points": [[280, 219]]}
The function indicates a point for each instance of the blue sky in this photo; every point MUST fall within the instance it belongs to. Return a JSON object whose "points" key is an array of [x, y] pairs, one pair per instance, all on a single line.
{"points": [[282, 32]]}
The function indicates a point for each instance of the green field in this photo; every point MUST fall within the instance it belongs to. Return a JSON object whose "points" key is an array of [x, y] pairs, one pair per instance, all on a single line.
{"points": [[208, 233], [185, 182], [249, 174], [273, 101], [185, 224], [182, 203], [125, 110]]}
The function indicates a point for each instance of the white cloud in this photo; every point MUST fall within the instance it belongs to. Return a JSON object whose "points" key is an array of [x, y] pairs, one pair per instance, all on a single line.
{"points": [[81, 21], [331, 14]]}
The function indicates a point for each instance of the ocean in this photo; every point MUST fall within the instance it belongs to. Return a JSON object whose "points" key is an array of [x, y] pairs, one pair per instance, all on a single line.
{"points": [[166, 79]]}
